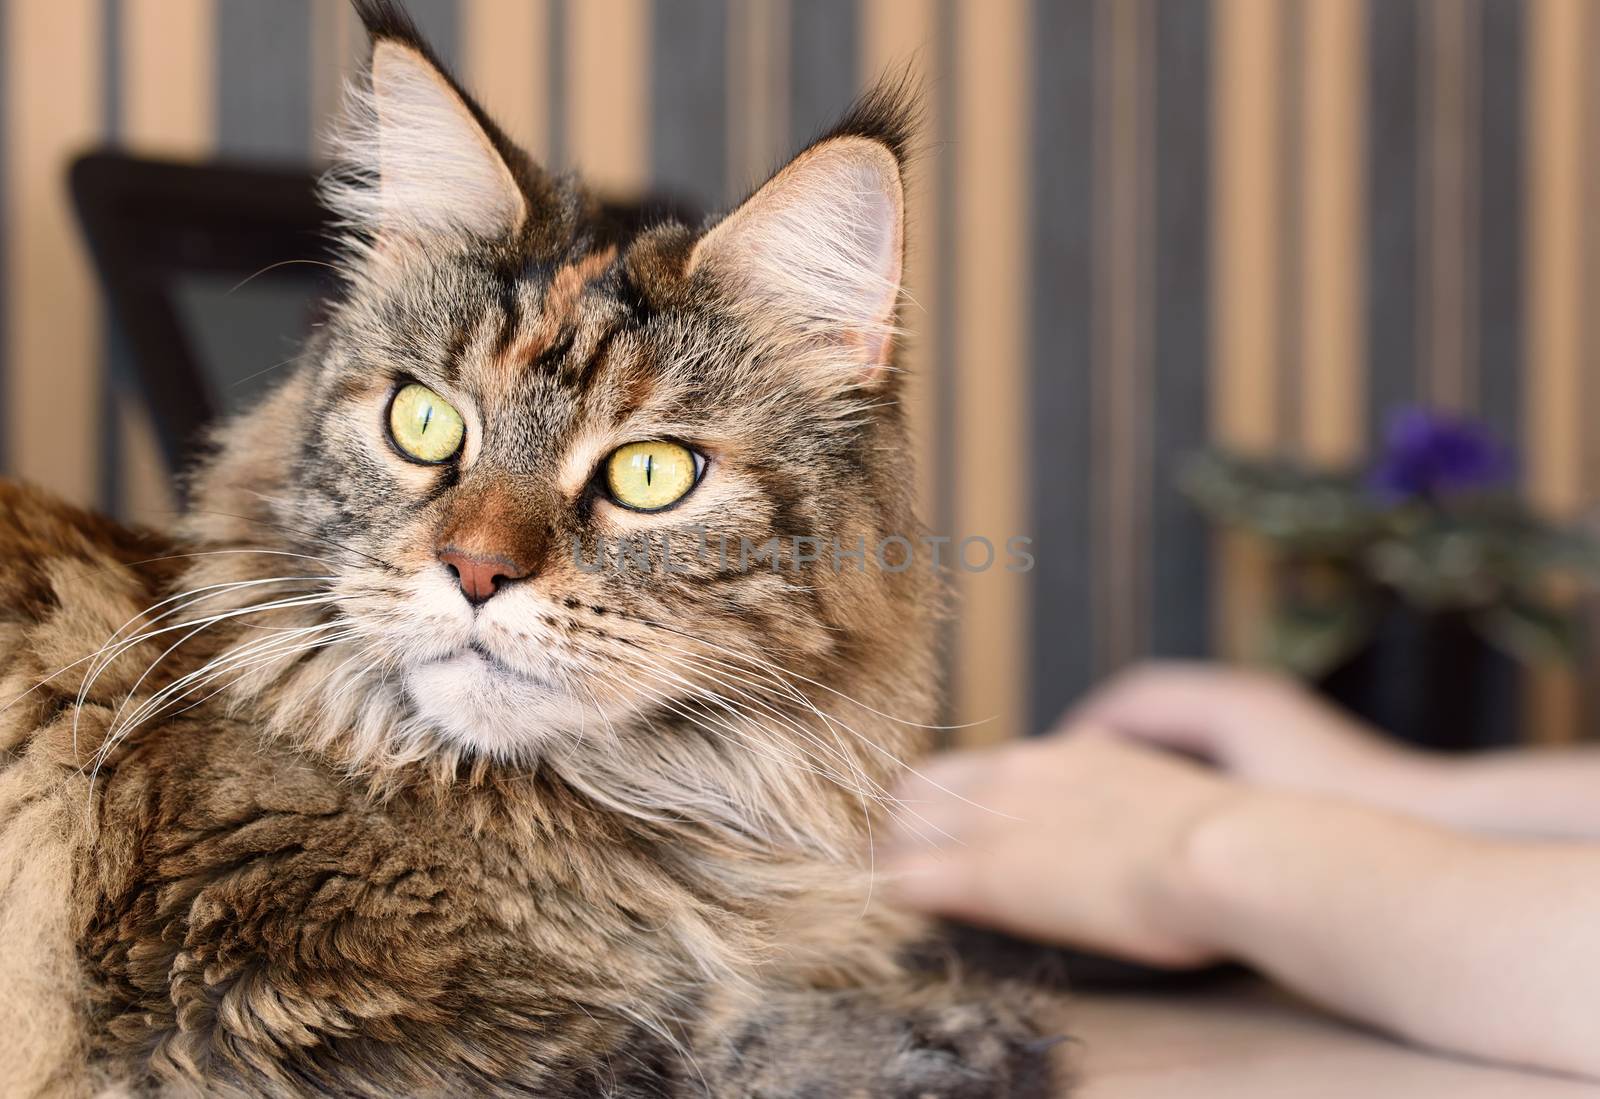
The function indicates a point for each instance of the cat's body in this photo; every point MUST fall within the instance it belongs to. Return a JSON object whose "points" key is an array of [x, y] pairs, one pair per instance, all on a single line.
{"points": [[374, 789]]}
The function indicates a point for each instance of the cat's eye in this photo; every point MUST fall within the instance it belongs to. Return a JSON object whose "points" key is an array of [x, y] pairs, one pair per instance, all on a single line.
{"points": [[651, 475], [424, 426]]}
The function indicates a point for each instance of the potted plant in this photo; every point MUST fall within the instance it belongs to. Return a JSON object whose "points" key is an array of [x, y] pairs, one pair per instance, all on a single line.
{"points": [[1411, 590]]}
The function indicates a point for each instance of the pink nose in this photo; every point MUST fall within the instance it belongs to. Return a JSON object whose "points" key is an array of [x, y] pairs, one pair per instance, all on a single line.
{"points": [[480, 577]]}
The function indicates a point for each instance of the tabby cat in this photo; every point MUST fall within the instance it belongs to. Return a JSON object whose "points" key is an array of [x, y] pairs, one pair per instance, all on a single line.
{"points": [[379, 777]]}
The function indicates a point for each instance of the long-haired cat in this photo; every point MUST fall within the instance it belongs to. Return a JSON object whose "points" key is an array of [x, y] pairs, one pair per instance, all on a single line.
{"points": [[384, 775]]}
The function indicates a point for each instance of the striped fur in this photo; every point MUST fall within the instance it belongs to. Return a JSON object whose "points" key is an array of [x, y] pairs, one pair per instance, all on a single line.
{"points": [[268, 829]]}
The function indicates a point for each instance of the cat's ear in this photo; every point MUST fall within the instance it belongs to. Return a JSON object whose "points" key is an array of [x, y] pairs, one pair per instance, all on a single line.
{"points": [[423, 158], [817, 250]]}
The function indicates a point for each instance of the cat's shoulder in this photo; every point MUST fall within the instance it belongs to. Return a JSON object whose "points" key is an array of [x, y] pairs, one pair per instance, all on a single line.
{"points": [[68, 579], [52, 552], [37, 525]]}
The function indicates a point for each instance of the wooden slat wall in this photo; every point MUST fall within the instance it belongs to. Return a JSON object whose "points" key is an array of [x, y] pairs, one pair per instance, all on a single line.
{"points": [[1136, 225], [989, 253], [166, 107], [1332, 152], [1120, 374], [54, 102], [1555, 240], [758, 92], [1063, 331], [1449, 98], [607, 45], [1246, 279], [501, 40]]}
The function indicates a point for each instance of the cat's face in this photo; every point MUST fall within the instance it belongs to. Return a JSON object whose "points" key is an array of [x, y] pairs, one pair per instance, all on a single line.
{"points": [[507, 390]]}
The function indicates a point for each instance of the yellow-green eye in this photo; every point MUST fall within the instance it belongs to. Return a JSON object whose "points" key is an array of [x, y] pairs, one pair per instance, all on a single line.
{"points": [[424, 426], [651, 475]]}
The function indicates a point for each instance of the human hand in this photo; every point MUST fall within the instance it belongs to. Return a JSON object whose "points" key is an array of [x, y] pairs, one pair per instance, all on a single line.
{"points": [[1074, 839], [1263, 729]]}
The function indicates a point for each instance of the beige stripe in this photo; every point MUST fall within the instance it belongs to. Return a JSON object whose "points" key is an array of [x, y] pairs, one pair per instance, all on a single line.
{"points": [[1590, 673], [1555, 258], [991, 280], [1333, 339], [1245, 280], [608, 74], [1554, 425], [1121, 368], [168, 78], [168, 99], [1591, 332], [1591, 246], [338, 50], [53, 99], [894, 34], [506, 58], [1444, 95], [758, 91]]}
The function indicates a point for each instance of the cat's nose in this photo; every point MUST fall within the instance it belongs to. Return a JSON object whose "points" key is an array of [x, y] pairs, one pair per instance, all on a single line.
{"points": [[480, 576]]}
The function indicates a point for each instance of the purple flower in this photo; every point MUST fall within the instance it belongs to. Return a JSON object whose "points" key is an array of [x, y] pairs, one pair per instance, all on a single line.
{"points": [[1430, 454]]}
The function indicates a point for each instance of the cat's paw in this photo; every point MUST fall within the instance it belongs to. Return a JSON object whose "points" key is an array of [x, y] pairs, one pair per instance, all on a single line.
{"points": [[973, 1051], [924, 1045]]}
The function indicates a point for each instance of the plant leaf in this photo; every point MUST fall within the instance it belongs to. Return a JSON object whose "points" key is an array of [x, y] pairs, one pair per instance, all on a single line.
{"points": [[1310, 642], [1531, 634]]}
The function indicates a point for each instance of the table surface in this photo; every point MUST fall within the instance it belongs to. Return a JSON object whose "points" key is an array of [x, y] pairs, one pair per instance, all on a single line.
{"points": [[1241, 1039]]}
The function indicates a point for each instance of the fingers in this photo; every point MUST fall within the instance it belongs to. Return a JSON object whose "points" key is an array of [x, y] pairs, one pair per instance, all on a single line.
{"points": [[938, 803], [946, 774], [938, 883], [925, 859], [1192, 707]]}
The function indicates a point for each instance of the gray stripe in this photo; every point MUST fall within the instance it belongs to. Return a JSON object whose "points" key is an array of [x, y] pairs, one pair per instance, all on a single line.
{"points": [[1290, 429], [556, 65], [1393, 153], [1180, 610], [264, 79], [440, 24], [1499, 307], [1062, 651], [689, 101], [823, 60]]}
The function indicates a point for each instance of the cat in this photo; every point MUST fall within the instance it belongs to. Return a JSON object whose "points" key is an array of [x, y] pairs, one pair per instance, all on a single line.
{"points": [[379, 776]]}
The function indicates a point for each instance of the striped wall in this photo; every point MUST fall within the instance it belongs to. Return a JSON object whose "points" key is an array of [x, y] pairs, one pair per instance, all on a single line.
{"points": [[1138, 226]]}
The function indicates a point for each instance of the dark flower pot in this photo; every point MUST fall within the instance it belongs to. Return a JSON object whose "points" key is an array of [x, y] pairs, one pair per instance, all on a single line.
{"points": [[1432, 681]]}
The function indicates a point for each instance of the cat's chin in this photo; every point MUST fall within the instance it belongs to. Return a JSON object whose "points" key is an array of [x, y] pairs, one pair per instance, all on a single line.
{"points": [[473, 699]]}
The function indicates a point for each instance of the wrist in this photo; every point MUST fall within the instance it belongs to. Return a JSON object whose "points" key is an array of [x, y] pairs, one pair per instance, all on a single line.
{"points": [[1192, 887], [1481, 793], [1238, 864], [1413, 782]]}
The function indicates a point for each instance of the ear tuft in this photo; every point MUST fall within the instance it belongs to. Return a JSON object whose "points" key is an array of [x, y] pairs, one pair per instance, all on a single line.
{"points": [[419, 158], [889, 114], [387, 19], [817, 250]]}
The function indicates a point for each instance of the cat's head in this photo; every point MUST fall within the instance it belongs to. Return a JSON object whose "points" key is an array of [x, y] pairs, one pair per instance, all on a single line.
{"points": [[510, 388]]}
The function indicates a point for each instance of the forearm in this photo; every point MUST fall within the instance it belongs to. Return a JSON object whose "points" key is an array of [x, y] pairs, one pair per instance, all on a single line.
{"points": [[1553, 793], [1480, 947]]}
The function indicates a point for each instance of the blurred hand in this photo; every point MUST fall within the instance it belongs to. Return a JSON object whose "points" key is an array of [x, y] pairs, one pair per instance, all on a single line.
{"points": [[1074, 839], [1260, 728]]}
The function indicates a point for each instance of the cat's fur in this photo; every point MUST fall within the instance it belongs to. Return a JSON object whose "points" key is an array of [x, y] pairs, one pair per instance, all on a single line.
{"points": [[344, 856]]}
